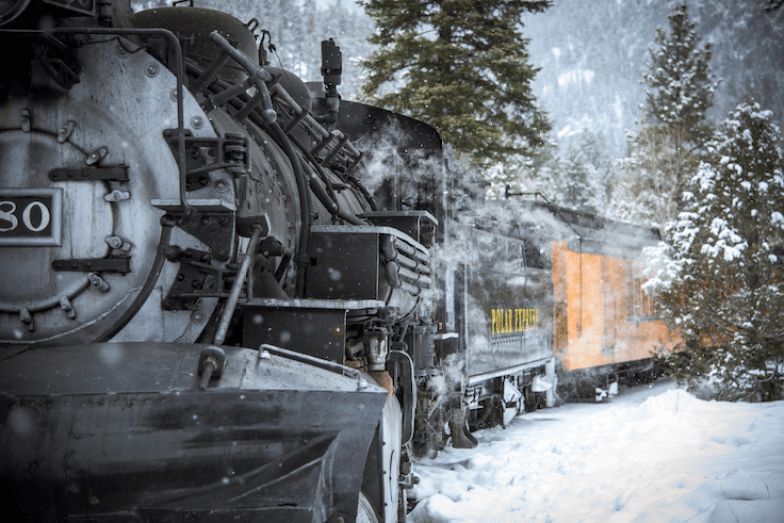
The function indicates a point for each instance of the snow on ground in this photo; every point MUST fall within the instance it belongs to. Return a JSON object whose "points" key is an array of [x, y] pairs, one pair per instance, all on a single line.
{"points": [[652, 454]]}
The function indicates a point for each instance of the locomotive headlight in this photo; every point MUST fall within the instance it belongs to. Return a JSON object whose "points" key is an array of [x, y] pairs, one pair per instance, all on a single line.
{"points": [[10, 9]]}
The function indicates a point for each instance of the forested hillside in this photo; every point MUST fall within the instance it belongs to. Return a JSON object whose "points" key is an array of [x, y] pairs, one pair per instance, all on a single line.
{"points": [[593, 54]]}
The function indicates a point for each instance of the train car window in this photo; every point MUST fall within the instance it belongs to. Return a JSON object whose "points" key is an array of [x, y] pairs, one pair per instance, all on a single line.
{"points": [[533, 256], [639, 304]]}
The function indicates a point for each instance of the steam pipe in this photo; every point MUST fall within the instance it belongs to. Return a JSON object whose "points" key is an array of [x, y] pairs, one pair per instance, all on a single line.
{"points": [[321, 193], [255, 71], [236, 288], [301, 256]]}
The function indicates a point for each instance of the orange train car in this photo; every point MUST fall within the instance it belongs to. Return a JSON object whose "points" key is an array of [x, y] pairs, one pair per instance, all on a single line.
{"points": [[605, 325]]}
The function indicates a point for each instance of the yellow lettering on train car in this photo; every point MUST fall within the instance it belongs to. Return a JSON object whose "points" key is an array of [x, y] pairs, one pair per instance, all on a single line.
{"points": [[505, 321]]}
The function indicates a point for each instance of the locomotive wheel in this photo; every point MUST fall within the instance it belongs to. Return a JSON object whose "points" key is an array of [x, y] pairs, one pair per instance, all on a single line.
{"points": [[481, 418], [531, 400], [365, 512]]}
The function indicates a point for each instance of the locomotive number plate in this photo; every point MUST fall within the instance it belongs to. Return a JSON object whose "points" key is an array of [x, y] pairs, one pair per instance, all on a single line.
{"points": [[31, 217]]}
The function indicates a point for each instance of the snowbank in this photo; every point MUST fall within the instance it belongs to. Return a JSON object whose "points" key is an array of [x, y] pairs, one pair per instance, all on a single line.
{"points": [[651, 455]]}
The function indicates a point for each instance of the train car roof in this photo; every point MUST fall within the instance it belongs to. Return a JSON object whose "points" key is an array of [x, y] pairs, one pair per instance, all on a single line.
{"points": [[584, 232]]}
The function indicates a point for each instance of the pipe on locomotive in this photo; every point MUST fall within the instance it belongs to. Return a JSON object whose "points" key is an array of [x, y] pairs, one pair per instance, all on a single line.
{"points": [[256, 72], [259, 77], [236, 288]]}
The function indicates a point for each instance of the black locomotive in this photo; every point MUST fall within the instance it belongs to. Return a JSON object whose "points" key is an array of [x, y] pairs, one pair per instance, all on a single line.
{"points": [[188, 260], [228, 295]]}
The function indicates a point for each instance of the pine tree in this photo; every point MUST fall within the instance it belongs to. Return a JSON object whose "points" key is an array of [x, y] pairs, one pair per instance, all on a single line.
{"points": [[720, 274], [593, 147], [644, 191], [538, 174], [576, 182], [666, 151], [461, 66], [679, 74]]}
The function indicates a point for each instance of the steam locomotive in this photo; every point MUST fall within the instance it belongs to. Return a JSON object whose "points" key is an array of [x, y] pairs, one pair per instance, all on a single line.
{"points": [[227, 294], [175, 217]]}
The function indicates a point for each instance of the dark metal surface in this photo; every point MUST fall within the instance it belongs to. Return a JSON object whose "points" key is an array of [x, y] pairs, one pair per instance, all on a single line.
{"points": [[508, 307], [347, 265], [366, 124], [420, 225], [195, 25], [313, 330]]}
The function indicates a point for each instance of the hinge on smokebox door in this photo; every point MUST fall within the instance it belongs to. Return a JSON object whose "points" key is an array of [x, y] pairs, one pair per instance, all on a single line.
{"points": [[213, 223]]}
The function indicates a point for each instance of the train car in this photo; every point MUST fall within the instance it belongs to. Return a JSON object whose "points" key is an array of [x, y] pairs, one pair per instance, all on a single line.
{"points": [[198, 314], [503, 305], [606, 328]]}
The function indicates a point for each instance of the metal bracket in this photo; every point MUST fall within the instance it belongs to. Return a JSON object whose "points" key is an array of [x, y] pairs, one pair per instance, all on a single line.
{"points": [[212, 228], [195, 279], [116, 173], [120, 265], [204, 154]]}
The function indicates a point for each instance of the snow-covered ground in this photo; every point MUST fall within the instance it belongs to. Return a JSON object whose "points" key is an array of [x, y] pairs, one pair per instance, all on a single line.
{"points": [[652, 454]]}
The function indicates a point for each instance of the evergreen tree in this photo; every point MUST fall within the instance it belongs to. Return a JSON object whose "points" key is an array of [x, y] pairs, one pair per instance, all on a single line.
{"points": [[679, 74], [576, 182], [644, 191], [666, 152], [462, 66], [527, 176], [593, 148], [580, 180], [720, 275]]}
